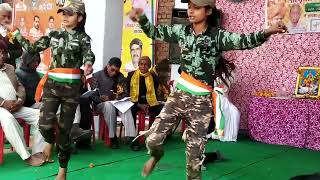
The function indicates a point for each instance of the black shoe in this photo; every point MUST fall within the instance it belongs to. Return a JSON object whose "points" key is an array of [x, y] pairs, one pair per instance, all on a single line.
{"points": [[214, 156], [135, 146], [128, 140], [114, 143], [210, 157], [221, 157], [84, 144], [77, 134], [74, 150]]}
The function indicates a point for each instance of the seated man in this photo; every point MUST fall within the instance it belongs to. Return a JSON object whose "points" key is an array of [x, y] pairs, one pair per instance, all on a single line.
{"points": [[14, 48], [142, 86], [12, 96], [28, 76], [111, 85], [161, 70]]}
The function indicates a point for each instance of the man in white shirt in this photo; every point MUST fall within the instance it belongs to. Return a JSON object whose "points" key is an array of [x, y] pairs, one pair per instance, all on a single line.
{"points": [[50, 25], [22, 27], [35, 32], [135, 52], [14, 48], [20, 6], [12, 96], [295, 25]]}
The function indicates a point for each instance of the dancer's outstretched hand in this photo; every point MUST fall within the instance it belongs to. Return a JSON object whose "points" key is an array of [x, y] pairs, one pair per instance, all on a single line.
{"points": [[278, 27], [135, 13]]}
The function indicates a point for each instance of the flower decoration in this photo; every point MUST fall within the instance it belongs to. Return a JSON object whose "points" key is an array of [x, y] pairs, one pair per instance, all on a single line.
{"points": [[299, 71], [120, 89], [10, 37], [265, 94]]}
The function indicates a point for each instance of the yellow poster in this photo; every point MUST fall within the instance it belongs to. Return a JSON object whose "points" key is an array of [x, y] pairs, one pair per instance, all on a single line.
{"points": [[134, 42]]}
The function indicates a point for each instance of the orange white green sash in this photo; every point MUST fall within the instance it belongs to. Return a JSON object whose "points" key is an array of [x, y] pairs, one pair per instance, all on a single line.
{"points": [[41, 71], [219, 117], [193, 86], [61, 75]]}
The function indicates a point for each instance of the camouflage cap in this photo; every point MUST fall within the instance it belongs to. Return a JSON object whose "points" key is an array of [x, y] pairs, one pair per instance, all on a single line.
{"points": [[211, 3], [73, 6]]}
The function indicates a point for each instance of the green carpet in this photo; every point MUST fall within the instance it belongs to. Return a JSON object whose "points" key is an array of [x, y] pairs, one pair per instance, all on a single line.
{"points": [[248, 160]]}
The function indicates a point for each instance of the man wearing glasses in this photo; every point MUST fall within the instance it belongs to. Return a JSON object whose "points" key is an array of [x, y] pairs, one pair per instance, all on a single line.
{"points": [[112, 86]]}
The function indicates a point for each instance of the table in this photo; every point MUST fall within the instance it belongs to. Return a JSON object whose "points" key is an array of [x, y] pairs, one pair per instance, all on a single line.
{"points": [[293, 122]]}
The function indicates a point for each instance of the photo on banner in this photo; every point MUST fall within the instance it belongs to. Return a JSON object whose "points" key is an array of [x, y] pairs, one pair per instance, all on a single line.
{"points": [[308, 82], [134, 42], [37, 18], [300, 16]]}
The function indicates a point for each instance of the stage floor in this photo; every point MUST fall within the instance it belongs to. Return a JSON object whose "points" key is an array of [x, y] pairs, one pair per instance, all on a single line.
{"points": [[248, 160]]}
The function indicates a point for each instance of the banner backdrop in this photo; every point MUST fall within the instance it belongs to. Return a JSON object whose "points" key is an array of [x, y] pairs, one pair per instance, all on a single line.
{"points": [[300, 16], [134, 42], [36, 18]]}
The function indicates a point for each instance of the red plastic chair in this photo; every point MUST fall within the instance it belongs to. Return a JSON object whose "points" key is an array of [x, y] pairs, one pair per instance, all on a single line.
{"points": [[103, 127], [142, 123], [94, 133], [26, 134], [26, 131], [1, 144]]}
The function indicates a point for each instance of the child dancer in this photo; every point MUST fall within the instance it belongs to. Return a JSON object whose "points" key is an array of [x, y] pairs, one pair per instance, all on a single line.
{"points": [[70, 50], [201, 46]]}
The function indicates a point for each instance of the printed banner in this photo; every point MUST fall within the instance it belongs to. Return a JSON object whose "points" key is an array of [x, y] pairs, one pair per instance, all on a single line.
{"points": [[134, 42], [300, 16], [36, 18]]}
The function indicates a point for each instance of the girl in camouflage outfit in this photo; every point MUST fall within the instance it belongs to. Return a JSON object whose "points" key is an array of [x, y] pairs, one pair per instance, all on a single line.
{"points": [[61, 84], [201, 47]]}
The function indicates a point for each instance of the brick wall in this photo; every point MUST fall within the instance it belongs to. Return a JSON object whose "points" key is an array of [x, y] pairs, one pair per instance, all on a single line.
{"points": [[164, 17]]}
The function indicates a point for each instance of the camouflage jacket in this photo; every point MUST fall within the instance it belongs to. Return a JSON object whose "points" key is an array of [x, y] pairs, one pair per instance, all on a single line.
{"points": [[69, 50], [200, 53]]}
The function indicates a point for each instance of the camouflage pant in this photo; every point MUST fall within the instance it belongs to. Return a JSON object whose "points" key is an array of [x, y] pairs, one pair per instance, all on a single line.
{"points": [[197, 111], [55, 94]]}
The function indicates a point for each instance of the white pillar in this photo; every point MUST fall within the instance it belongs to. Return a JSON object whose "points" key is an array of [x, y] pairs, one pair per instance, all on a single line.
{"points": [[104, 26]]}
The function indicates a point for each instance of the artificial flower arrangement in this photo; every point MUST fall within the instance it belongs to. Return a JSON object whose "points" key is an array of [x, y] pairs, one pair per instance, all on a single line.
{"points": [[265, 94]]}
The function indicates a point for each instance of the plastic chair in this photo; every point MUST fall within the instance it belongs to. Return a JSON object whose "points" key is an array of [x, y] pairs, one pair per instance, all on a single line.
{"points": [[141, 123], [26, 134], [103, 127]]}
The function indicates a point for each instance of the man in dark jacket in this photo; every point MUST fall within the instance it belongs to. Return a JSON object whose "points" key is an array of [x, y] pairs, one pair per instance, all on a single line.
{"points": [[112, 86], [28, 76]]}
